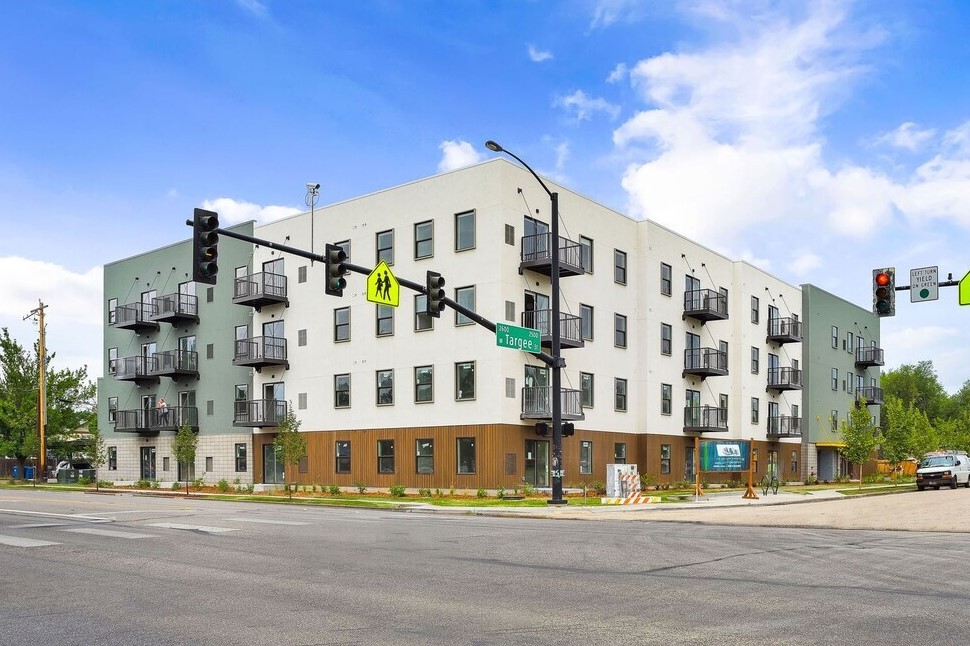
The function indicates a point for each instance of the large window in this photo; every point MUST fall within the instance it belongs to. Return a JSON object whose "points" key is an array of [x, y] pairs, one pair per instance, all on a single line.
{"points": [[341, 391], [619, 330], [586, 254], [666, 339], [666, 398], [240, 457], [586, 321], [465, 380], [385, 247], [664, 459], [466, 455], [586, 384], [424, 456], [619, 453], [619, 390], [619, 266], [464, 296], [665, 279], [424, 384], [385, 320], [423, 240], [343, 457], [385, 456], [385, 387], [585, 457], [341, 324], [421, 319], [464, 231]]}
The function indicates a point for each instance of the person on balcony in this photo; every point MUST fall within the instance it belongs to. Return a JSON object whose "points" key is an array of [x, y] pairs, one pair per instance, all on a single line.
{"points": [[162, 412]]}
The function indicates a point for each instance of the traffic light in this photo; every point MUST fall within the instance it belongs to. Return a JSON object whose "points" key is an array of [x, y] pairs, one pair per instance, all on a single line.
{"points": [[434, 288], [205, 242], [884, 291], [336, 270], [568, 429], [542, 429]]}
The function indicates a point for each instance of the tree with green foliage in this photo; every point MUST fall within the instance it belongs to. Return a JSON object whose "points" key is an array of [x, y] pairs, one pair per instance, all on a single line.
{"points": [[184, 447], [860, 436], [924, 436], [290, 444], [897, 436], [917, 385]]}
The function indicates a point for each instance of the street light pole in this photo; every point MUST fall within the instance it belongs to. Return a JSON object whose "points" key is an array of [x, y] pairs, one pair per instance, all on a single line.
{"points": [[557, 466]]}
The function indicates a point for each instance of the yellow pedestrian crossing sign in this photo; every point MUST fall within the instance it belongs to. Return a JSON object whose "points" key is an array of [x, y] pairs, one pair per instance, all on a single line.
{"points": [[382, 286]]}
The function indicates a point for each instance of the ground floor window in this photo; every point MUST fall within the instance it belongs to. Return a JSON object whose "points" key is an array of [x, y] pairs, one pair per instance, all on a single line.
{"points": [[385, 456], [466, 455], [343, 457], [664, 459], [240, 458], [619, 453], [424, 458], [585, 457], [112, 458]]}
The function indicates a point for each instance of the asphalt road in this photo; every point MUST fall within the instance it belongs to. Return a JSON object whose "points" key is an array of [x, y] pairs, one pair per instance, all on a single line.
{"points": [[110, 570]]}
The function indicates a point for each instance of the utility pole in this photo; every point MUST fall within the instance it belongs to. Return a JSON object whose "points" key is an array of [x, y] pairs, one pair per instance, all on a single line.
{"points": [[41, 390]]}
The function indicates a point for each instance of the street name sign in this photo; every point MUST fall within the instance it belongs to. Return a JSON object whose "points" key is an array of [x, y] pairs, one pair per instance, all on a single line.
{"points": [[382, 286], [518, 338], [924, 284]]}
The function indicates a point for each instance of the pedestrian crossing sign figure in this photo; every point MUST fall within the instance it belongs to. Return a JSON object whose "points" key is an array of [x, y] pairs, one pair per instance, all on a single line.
{"points": [[382, 286]]}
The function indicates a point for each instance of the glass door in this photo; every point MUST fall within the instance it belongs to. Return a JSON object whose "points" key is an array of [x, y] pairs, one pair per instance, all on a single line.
{"points": [[537, 462], [148, 463], [272, 468]]}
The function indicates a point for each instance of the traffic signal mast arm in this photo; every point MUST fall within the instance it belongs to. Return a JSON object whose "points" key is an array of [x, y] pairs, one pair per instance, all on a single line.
{"points": [[404, 282]]}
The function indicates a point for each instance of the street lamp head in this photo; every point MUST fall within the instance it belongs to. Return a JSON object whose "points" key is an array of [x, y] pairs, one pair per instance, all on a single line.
{"points": [[494, 147]]}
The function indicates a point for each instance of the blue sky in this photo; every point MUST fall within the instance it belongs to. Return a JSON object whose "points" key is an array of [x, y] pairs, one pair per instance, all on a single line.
{"points": [[817, 140]]}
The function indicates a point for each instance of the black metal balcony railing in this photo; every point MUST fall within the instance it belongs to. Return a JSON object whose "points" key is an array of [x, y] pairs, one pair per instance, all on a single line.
{"points": [[705, 419], [537, 403], [258, 412], [135, 316], [705, 305], [174, 364], [705, 362], [260, 351], [176, 309], [867, 356], [872, 395], [785, 329], [570, 327], [784, 426], [153, 420], [259, 289], [784, 379], [134, 369], [537, 255]]}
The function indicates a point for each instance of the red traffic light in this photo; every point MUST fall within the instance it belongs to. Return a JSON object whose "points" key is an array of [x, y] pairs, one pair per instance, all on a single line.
{"points": [[882, 278]]}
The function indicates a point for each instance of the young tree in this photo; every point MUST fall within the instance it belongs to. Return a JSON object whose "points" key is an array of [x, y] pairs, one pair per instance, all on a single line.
{"points": [[924, 436], [860, 436], [184, 448], [290, 444], [97, 451]]}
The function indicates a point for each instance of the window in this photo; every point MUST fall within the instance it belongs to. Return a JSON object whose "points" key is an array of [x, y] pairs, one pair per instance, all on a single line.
{"points": [[423, 240], [424, 384], [301, 274], [385, 247], [755, 311], [112, 360], [755, 409], [424, 456], [619, 330], [341, 324], [755, 360], [112, 458], [466, 455], [849, 342], [666, 281], [586, 321], [343, 457], [585, 457], [385, 387], [835, 378], [301, 338], [835, 336], [385, 320], [794, 462], [586, 254], [112, 310], [385, 456], [240, 458], [586, 386], [666, 399], [464, 296], [619, 267], [465, 380], [664, 459], [619, 453], [849, 382], [112, 409], [722, 404], [619, 389], [666, 340], [722, 347], [341, 391], [464, 231], [421, 319]]}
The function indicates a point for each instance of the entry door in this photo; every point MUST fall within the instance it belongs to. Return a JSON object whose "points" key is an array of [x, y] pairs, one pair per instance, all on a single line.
{"points": [[148, 463], [537, 462], [538, 307], [273, 393], [272, 467]]}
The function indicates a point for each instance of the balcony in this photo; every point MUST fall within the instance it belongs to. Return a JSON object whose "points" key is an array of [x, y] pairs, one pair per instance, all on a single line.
{"points": [[136, 317], [176, 309], [570, 328], [866, 357], [786, 329], [175, 364], [259, 289], [135, 369], [784, 379], [705, 305], [537, 255], [151, 421], [537, 403], [784, 426], [259, 352], [705, 419], [258, 412], [704, 363], [872, 395]]}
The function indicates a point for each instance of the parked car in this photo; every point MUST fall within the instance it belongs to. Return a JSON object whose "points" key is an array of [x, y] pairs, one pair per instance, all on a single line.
{"points": [[940, 468]]}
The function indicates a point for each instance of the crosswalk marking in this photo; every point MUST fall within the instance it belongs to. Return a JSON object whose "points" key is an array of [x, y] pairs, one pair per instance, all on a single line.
{"points": [[17, 541], [106, 532], [267, 522], [195, 528]]}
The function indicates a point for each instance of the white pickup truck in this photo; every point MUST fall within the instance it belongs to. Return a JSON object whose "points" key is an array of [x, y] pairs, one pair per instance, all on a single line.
{"points": [[940, 468]]}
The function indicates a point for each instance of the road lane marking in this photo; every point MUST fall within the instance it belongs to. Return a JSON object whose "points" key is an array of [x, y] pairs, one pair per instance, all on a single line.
{"points": [[106, 532], [84, 517], [195, 528], [17, 541], [267, 522]]}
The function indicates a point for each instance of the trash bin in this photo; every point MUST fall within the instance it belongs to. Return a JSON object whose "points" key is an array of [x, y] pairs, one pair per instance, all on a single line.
{"points": [[28, 473], [16, 472], [86, 473], [65, 476]]}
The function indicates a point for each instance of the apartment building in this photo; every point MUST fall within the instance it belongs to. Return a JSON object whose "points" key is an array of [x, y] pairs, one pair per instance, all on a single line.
{"points": [[664, 341]]}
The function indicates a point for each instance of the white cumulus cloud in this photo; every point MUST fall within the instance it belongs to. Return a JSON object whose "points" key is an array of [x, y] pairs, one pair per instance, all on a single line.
{"points": [[582, 107], [457, 154], [233, 211], [538, 56], [908, 136]]}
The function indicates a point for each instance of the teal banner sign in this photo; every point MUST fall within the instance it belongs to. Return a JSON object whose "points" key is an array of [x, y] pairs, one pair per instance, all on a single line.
{"points": [[725, 456]]}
